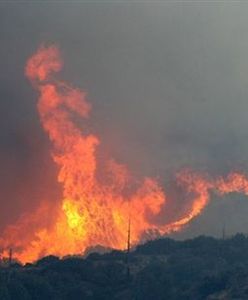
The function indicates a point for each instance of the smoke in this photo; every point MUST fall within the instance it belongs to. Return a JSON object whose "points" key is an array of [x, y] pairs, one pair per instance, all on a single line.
{"points": [[169, 87], [98, 198]]}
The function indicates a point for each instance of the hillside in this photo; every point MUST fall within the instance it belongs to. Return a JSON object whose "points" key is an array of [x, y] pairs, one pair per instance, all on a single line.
{"points": [[200, 268]]}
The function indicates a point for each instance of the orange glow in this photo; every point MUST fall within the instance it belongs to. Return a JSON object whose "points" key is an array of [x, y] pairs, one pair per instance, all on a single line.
{"points": [[92, 211]]}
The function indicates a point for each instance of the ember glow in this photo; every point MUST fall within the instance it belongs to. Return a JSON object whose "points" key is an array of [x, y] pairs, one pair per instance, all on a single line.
{"points": [[94, 210]]}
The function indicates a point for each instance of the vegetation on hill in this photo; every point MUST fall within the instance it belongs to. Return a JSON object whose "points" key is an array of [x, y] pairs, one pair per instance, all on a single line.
{"points": [[200, 268]]}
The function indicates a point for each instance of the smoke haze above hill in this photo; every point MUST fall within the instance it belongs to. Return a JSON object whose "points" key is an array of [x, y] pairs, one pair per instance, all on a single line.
{"points": [[168, 83]]}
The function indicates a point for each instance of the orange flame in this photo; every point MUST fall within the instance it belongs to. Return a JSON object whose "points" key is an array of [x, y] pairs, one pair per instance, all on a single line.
{"points": [[93, 211]]}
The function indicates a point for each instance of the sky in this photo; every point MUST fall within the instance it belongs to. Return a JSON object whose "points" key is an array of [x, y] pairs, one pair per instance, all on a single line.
{"points": [[168, 82]]}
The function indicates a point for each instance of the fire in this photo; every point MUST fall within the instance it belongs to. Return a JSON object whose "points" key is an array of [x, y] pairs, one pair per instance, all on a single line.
{"points": [[94, 210]]}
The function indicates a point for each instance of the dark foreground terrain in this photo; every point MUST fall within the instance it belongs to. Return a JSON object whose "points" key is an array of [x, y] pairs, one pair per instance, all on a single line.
{"points": [[201, 268]]}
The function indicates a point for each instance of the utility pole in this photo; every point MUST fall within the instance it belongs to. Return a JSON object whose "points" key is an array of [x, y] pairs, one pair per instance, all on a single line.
{"points": [[224, 232], [128, 246], [10, 256], [128, 235]]}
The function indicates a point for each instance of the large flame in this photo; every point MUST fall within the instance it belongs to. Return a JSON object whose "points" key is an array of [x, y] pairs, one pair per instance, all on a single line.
{"points": [[95, 209]]}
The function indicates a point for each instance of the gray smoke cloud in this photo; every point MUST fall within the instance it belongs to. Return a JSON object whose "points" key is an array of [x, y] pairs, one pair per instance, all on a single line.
{"points": [[168, 84]]}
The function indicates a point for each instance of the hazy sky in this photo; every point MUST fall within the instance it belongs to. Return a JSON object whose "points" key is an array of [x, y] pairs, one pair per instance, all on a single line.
{"points": [[169, 87]]}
